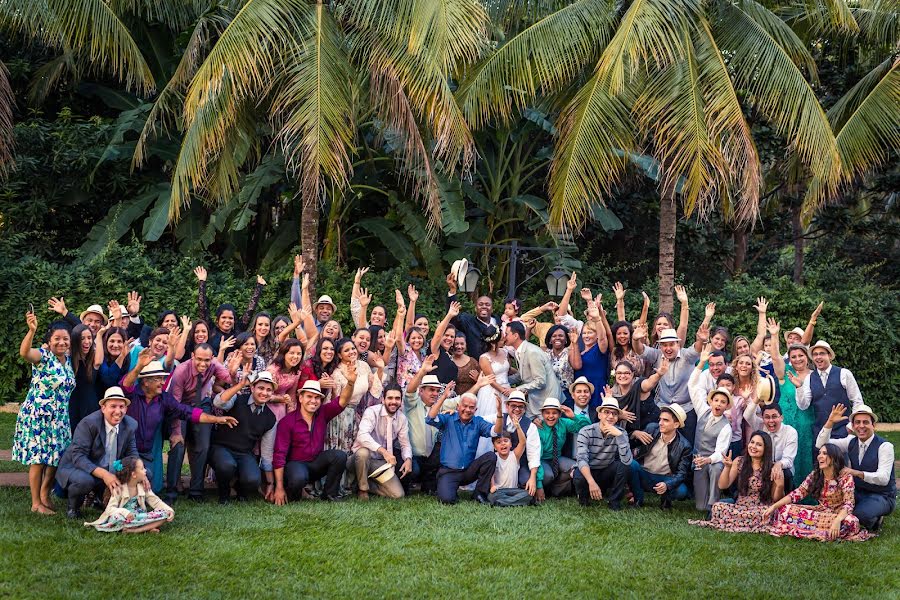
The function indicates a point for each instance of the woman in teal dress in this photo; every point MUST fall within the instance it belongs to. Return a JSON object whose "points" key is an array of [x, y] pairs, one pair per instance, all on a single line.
{"points": [[791, 377], [42, 427]]}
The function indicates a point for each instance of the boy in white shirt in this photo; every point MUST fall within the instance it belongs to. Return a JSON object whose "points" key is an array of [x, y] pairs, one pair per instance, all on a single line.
{"points": [[505, 490]]}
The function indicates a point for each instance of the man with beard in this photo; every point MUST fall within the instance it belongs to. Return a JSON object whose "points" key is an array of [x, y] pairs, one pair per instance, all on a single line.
{"points": [[382, 426]]}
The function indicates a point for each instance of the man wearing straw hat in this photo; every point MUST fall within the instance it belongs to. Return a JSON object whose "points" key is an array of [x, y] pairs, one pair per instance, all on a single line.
{"points": [[710, 444], [382, 426], [421, 393], [515, 407], [664, 464], [827, 387], [100, 439], [871, 459], [604, 456], [555, 473]]}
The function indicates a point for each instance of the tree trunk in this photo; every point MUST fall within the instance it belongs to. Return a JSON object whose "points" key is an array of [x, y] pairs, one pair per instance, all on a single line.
{"points": [[668, 213], [309, 242], [740, 249], [799, 243]]}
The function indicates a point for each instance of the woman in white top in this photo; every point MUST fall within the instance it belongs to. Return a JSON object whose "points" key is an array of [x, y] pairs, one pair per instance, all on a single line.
{"points": [[493, 362], [342, 429]]}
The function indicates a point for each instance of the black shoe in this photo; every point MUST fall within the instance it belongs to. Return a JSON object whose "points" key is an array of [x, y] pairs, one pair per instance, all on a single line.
{"points": [[665, 504], [240, 498], [328, 498], [98, 504], [615, 506], [223, 500], [171, 498], [877, 524], [73, 513], [480, 498], [584, 501], [196, 498]]}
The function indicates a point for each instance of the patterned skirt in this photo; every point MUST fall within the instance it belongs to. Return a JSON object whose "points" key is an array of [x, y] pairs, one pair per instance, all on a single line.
{"points": [[743, 516], [814, 522]]}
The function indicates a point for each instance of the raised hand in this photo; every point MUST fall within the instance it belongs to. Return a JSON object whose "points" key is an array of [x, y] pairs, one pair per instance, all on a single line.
{"points": [[570, 285], [817, 311], [57, 305], [836, 415], [359, 274], [454, 309], [710, 310], [200, 272], [304, 283], [704, 353], [298, 265], [761, 305], [145, 357], [398, 298], [795, 379], [133, 303], [173, 337], [412, 293], [451, 283], [586, 294], [773, 326], [567, 412], [593, 313], [351, 374], [390, 340], [294, 313], [727, 460], [364, 297], [115, 310], [681, 294], [645, 297], [227, 343], [640, 332], [703, 333], [260, 280], [185, 323], [549, 306], [31, 320], [428, 363], [573, 336]]}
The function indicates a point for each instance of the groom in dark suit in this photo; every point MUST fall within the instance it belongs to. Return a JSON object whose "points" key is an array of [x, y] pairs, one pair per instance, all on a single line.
{"points": [[100, 439]]}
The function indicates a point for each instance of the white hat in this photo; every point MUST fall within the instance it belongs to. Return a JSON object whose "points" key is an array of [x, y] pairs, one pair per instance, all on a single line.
{"points": [[722, 391], [517, 396], [153, 369], [115, 393], [262, 376], [609, 402], [677, 412], [325, 299], [459, 269], [765, 389], [311, 385], [431, 381], [669, 335], [863, 409], [822, 344], [383, 474], [551, 403], [795, 330], [581, 381], [96, 309]]}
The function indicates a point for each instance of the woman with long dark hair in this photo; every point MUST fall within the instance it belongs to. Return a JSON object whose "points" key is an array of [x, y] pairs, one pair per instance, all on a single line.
{"points": [[85, 363], [285, 369], [342, 429], [261, 328], [114, 360], [320, 366], [621, 348], [831, 485], [756, 489], [226, 324]]}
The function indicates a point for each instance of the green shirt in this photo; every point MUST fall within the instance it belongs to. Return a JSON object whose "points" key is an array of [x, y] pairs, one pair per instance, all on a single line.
{"points": [[564, 427]]}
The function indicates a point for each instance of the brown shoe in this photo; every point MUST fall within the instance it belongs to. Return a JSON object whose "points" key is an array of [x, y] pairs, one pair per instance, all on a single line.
{"points": [[362, 495]]}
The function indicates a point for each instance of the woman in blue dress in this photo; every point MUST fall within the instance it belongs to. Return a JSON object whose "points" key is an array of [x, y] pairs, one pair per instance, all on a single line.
{"points": [[42, 427], [594, 357]]}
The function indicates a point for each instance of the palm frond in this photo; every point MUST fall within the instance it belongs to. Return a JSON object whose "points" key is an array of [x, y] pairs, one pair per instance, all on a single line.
{"points": [[7, 101], [649, 35], [822, 16], [592, 127], [879, 21], [513, 14], [175, 14], [47, 76], [538, 61], [782, 35]]}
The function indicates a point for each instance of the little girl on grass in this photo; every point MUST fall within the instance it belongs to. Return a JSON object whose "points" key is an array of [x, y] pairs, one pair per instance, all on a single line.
{"points": [[132, 508]]}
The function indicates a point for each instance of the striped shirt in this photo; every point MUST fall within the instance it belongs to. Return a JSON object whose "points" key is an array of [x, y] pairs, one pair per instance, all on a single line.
{"points": [[596, 451]]}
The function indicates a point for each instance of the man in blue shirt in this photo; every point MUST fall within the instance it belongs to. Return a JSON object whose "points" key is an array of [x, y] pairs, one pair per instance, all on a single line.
{"points": [[461, 432]]}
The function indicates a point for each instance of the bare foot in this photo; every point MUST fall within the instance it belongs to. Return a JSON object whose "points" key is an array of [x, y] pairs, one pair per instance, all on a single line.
{"points": [[48, 503], [363, 495], [41, 509]]}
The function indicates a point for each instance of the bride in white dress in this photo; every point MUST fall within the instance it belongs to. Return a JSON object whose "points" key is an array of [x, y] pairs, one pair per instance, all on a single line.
{"points": [[494, 361]]}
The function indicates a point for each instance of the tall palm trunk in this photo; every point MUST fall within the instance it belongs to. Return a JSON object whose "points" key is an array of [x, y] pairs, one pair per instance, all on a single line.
{"points": [[797, 227], [309, 241], [668, 213]]}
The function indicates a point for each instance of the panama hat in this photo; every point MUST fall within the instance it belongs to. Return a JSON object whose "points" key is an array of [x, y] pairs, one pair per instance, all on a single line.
{"points": [[153, 369], [550, 403], [325, 299], [765, 389], [676, 411], [96, 309], [609, 402], [431, 381], [459, 269], [517, 396], [114, 393], [581, 381], [803, 347], [722, 391], [262, 377], [822, 344], [863, 409], [383, 474], [796, 331], [310, 385], [669, 335]]}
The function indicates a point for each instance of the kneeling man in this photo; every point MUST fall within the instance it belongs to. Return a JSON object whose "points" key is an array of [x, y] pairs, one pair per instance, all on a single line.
{"points": [[603, 455], [663, 464], [382, 426]]}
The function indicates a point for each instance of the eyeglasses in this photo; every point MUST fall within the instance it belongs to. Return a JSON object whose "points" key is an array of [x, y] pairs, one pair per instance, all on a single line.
{"points": [[623, 372]]}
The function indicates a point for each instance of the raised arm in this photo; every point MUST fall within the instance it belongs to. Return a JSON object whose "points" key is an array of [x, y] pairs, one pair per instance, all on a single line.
{"points": [[202, 304], [567, 295], [648, 383], [604, 320], [645, 308], [684, 317], [519, 450], [619, 291], [144, 358], [777, 359], [254, 301], [708, 314], [593, 315], [98, 345], [730, 472], [296, 318], [172, 341], [638, 337], [574, 353], [427, 367], [452, 312], [811, 326], [296, 297], [411, 313], [758, 342], [347, 392], [32, 355], [182, 339], [225, 400]]}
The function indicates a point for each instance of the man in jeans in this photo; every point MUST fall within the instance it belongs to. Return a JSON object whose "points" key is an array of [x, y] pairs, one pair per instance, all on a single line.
{"points": [[664, 463], [603, 457]]}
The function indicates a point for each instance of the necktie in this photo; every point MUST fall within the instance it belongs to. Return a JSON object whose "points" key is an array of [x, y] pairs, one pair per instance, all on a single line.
{"points": [[862, 452], [554, 459], [198, 392], [709, 423], [110, 448], [257, 409], [824, 376]]}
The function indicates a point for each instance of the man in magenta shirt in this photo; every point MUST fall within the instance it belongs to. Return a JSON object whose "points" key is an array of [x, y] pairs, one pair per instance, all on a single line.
{"points": [[300, 454]]}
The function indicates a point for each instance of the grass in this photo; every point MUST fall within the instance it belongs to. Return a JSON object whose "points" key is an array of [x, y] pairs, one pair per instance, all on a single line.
{"points": [[7, 430], [418, 548]]}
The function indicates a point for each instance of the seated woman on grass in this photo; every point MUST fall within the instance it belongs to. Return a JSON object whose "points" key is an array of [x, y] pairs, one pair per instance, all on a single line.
{"points": [[132, 508]]}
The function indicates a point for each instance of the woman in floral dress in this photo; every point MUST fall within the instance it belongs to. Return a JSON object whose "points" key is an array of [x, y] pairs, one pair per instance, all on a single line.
{"points": [[756, 489], [832, 518], [342, 429], [42, 427]]}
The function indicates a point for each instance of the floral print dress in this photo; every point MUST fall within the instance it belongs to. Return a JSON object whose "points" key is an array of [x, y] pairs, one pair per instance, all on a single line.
{"points": [[814, 522], [42, 427], [743, 516]]}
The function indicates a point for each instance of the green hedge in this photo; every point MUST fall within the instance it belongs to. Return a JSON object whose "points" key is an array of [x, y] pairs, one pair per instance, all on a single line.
{"points": [[861, 320]]}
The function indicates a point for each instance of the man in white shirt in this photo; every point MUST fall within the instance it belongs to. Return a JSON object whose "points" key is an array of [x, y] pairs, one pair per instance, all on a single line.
{"points": [[535, 376], [871, 460], [381, 426], [712, 439], [527, 472], [770, 419], [827, 387]]}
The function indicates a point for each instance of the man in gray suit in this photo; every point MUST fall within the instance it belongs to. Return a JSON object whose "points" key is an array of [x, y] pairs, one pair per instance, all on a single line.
{"points": [[535, 376], [101, 438]]}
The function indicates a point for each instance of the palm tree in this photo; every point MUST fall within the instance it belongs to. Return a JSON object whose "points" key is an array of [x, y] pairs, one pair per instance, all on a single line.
{"points": [[672, 79], [304, 69]]}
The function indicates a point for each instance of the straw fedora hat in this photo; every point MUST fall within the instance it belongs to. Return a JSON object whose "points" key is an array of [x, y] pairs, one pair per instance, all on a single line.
{"points": [[383, 474]]}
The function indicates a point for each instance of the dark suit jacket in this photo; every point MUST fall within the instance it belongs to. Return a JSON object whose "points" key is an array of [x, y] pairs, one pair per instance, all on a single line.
{"points": [[88, 447]]}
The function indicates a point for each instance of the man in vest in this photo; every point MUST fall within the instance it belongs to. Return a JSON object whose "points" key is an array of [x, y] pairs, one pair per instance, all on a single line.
{"points": [[711, 441], [231, 451], [516, 405], [827, 387], [871, 459]]}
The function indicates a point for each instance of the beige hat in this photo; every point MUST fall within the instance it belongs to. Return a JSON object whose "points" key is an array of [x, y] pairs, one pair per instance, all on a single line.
{"points": [[765, 389], [795, 330], [517, 396], [325, 299], [459, 270], [383, 474], [114, 393], [822, 344], [863, 409], [153, 369], [96, 309], [609, 402], [668, 335], [581, 381], [723, 391], [551, 403], [677, 412], [310, 385], [263, 377], [431, 381]]}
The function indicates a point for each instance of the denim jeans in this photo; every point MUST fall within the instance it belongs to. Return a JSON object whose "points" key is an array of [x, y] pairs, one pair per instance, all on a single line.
{"points": [[643, 480]]}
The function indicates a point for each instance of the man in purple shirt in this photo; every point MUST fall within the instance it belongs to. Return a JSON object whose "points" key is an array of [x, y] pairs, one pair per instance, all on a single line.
{"points": [[191, 383], [150, 406], [300, 455]]}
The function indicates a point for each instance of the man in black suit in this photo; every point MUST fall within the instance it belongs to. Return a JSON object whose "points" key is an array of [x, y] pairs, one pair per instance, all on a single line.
{"points": [[100, 439]]}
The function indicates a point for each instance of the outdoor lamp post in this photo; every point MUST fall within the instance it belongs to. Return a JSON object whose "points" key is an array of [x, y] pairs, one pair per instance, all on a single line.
{"points": [[470, 281], [556, 282]]}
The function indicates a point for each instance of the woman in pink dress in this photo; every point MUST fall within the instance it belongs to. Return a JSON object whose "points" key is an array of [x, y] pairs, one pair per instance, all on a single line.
{"points": [[285, 370]]}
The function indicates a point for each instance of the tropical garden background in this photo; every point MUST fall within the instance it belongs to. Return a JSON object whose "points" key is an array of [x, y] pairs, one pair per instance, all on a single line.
{"points": [[740, 148]]}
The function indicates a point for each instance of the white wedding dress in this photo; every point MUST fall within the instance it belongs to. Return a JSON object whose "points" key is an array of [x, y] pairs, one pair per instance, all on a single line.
{"points": [[487, 401]]}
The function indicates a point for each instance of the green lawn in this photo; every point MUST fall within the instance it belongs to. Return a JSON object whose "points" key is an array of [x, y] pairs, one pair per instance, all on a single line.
{"points": [[418, 548], [7, 430]]}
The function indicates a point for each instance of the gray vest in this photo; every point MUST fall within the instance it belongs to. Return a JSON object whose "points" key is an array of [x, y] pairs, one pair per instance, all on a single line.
{"points": [[705, 440]]}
